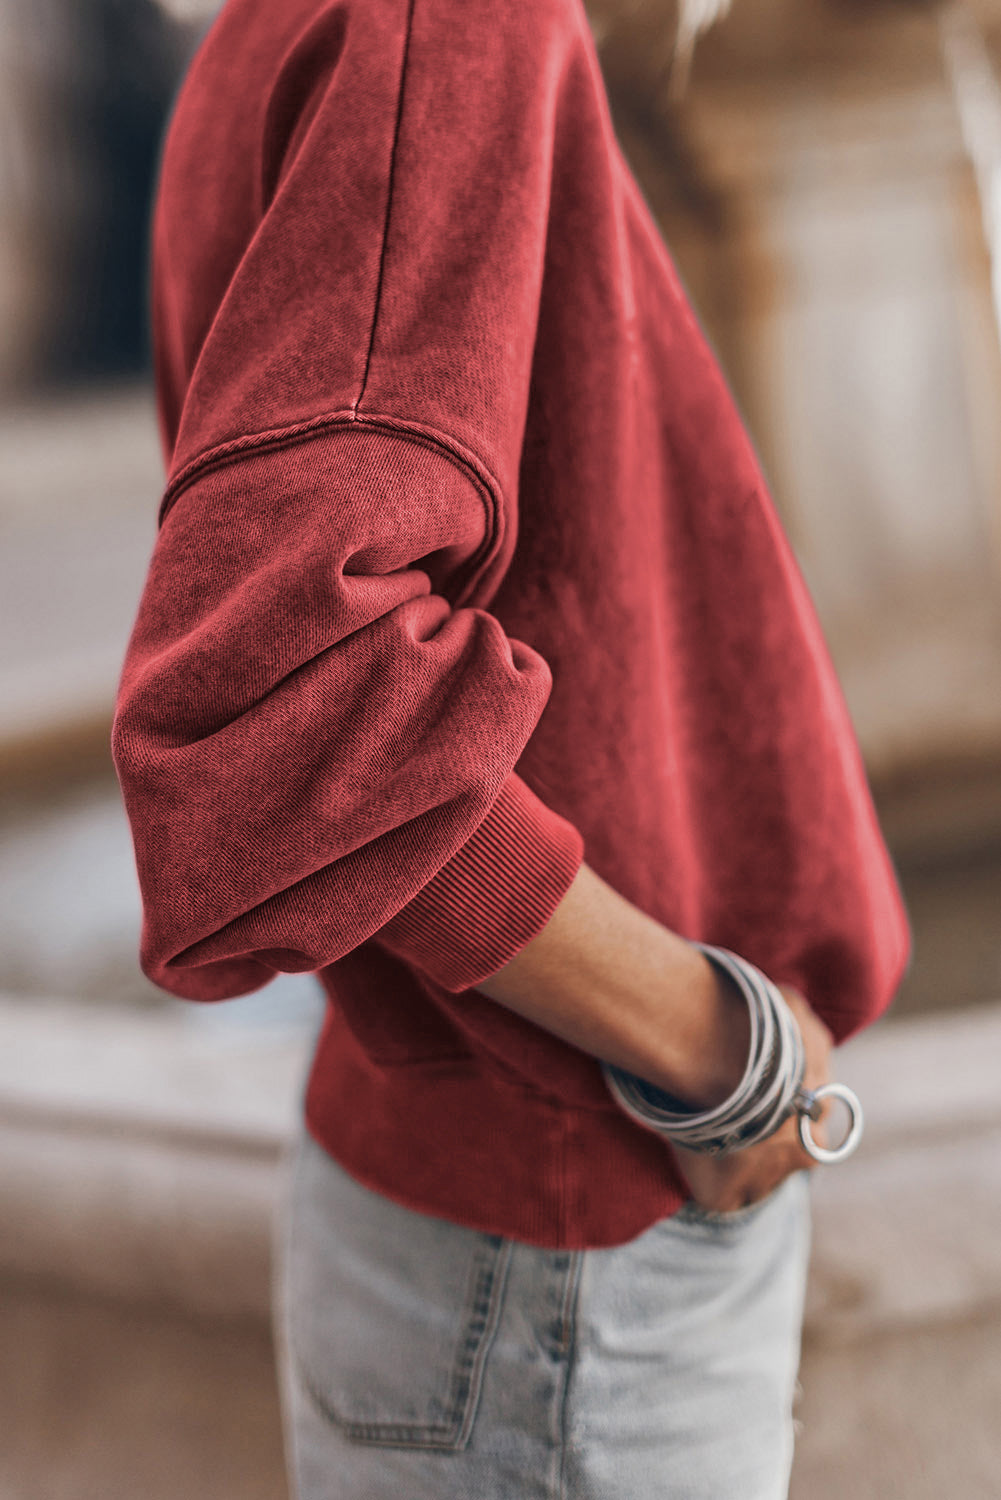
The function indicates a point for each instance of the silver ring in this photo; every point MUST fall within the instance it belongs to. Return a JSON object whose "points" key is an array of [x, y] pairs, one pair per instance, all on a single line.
{"points": [[809, 1102]]}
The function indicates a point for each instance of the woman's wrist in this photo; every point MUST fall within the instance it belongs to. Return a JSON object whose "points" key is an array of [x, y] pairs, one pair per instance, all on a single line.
{"points": [[613, 981], [716, 1069], [774, 1085]]}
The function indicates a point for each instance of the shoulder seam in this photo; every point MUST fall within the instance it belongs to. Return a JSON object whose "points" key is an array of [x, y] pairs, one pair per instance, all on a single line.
{"points": [[389, 204]]}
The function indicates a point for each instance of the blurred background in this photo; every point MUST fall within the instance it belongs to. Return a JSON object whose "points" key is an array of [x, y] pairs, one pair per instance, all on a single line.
{"points": [[827, 175]]}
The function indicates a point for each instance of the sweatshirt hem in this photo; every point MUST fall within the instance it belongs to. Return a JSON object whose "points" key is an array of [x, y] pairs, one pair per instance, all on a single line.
{"points": [[589, 1181]]}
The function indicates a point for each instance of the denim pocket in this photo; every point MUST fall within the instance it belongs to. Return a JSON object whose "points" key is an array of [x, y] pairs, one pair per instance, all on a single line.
{"points": [[691, 1212], [390, 1313]]}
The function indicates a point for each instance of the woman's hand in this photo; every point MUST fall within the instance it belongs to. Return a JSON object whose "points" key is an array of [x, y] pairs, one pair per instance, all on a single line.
{"points": [[605, 976], [722, 1184]]}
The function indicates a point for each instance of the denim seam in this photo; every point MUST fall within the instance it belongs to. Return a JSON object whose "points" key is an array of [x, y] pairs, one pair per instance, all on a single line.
{"points": [[479, 1338], [568, 1336]]}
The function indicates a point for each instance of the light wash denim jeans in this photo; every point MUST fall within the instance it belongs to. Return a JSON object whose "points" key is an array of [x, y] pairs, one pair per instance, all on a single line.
{"points": [[423, 1361]]}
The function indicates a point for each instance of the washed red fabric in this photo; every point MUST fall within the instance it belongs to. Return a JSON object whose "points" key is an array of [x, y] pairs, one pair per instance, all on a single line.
{"points": [[465, 571]]}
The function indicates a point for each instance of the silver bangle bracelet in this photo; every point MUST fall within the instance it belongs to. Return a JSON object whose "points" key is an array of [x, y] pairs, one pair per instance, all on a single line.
{"points": [[769, 1091], [808, 1104]]}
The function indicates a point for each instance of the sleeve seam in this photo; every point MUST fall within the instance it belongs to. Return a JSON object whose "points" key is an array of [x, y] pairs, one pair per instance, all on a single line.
{"points": [[276, 439]]}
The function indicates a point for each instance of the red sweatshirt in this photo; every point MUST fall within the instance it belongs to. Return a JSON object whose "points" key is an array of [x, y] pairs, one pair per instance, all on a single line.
{"points": [[465, 571]]}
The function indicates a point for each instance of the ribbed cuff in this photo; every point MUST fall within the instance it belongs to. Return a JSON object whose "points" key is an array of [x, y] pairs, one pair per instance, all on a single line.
{"points": [[493, 896]]}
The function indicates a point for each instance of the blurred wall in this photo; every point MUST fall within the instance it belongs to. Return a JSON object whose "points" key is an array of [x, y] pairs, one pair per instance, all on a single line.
{"points": [[816, 189], [84, 90]]}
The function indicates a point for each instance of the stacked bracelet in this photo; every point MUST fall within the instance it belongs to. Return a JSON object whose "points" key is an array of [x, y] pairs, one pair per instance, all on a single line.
{"points": [[770, 1090]]}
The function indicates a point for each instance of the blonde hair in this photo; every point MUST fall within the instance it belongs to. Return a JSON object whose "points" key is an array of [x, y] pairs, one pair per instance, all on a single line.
{"points": [[694, 17], [190, 12]]}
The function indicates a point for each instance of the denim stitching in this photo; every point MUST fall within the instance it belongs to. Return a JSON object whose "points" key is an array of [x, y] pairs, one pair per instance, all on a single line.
{"points": [[469, 1374], [568, 1339]]}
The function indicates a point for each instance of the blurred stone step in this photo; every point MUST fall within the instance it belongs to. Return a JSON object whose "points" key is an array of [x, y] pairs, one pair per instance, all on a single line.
{"points": [[140, 1152], [103, 1400], [907, 1234], [141, 1156]]}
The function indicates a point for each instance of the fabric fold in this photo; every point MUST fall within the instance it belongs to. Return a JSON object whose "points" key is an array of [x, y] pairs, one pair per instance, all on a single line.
{"points": [[309, 736]]}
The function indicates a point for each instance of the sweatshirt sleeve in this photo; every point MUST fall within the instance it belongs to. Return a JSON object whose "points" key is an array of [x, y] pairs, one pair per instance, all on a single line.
{"points": [[315, 740]]}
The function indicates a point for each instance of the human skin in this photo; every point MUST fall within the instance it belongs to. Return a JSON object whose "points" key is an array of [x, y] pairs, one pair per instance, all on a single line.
{"points": [[615, 982]]}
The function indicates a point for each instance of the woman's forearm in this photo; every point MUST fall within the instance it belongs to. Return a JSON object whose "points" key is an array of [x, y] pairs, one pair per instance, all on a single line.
{"points": [[607, 977]]}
